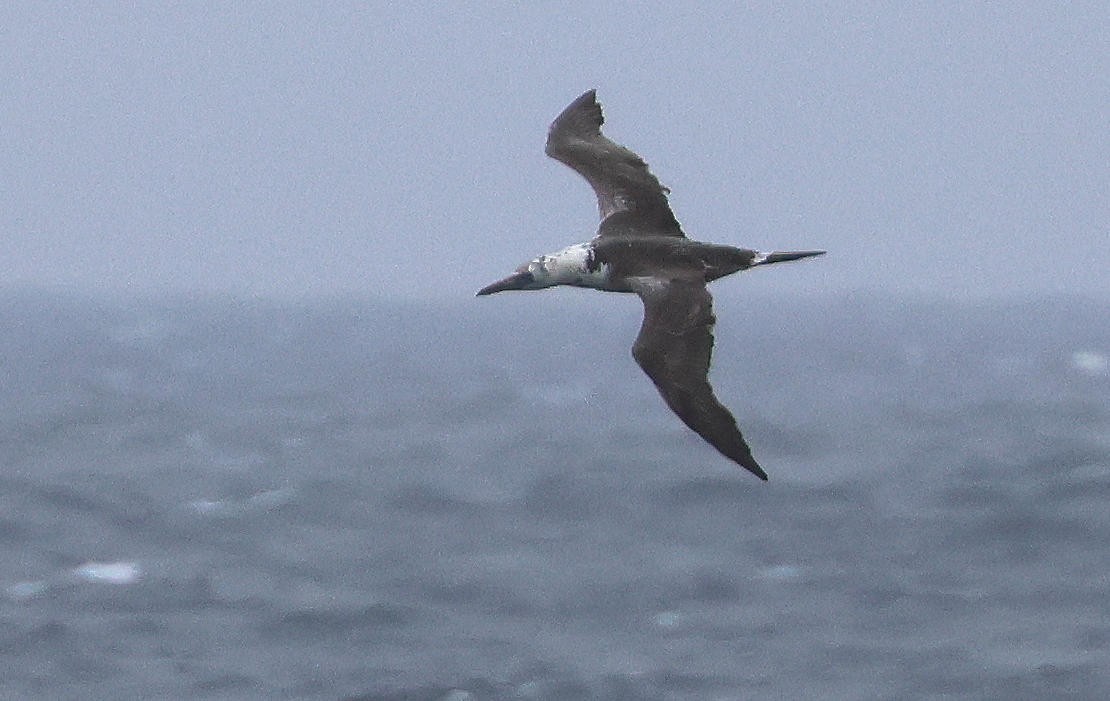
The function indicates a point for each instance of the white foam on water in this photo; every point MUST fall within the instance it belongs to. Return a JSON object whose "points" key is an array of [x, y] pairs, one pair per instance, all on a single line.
{"points": [[1091, 362], [26, 590], [109, 572], [781, 573], [261, 501], [207, 506], [269, 499]]}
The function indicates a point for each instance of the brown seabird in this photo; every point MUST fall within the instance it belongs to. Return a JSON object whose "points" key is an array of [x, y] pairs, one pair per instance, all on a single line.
{"points": [[640, 247]]}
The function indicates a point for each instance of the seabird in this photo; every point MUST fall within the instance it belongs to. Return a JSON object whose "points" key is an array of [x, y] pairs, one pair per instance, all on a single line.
{"points": [[640, 248]]}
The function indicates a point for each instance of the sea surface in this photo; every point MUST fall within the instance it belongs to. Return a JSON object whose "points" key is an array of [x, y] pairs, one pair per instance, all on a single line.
{"points": [[486, 499]]}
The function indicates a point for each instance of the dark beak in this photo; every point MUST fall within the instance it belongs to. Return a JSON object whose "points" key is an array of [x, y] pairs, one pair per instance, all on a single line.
{"points": [[783, 256], [516, 281]]}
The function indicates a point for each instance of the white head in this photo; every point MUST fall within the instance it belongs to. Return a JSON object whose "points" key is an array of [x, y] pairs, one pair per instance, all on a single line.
{"points": [[570, 266]]}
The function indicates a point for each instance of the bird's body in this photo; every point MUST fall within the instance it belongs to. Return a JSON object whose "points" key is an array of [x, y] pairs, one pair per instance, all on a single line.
{"points": [[640, 247]]}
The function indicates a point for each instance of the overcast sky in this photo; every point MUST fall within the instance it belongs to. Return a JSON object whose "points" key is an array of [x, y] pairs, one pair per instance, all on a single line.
{"points": [[396, 149]]}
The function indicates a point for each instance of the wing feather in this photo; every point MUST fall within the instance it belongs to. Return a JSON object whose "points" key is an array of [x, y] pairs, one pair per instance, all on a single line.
{"points": [[629, 197], [674, 348]]}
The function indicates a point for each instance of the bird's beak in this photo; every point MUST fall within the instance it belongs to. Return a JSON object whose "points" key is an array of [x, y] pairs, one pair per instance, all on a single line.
{"points": [[516, 281]]}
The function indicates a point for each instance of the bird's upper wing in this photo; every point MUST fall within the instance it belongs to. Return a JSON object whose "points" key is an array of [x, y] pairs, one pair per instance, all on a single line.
{"points": [[619, 177], [674, 349]]}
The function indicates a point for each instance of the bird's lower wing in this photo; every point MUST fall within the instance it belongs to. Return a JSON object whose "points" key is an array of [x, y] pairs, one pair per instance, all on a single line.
{"points": [[674, 348]]}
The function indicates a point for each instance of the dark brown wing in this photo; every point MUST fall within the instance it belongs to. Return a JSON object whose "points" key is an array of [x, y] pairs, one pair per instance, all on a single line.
{"points": [[621, 180], [674, 349]]}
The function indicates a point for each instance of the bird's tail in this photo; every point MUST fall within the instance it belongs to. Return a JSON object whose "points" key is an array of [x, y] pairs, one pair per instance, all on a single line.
{"points": [[783, 256]]}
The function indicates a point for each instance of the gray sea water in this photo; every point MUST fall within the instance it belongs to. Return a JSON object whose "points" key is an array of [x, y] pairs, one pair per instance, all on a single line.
{"points": [[229, 499]]}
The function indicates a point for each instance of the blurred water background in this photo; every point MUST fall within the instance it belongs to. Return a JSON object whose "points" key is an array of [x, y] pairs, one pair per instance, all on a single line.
{"points": [[235, 499]]}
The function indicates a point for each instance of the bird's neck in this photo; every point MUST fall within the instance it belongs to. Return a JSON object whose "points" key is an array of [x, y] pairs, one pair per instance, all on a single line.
{"points": [[574, 265]]}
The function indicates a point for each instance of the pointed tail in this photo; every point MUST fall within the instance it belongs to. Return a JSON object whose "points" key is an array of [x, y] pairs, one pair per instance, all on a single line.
{"points": [[783, 256]]}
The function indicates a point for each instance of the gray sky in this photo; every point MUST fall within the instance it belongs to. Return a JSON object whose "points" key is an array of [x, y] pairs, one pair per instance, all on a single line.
{"points": [[396, 149]]}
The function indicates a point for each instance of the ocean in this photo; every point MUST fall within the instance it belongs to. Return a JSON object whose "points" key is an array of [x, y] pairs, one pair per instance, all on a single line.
{"points": [[231, 498]]}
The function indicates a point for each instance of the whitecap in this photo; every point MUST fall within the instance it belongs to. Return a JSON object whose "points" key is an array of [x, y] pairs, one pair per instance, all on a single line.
{"points": [[26, 590], [269, 499], [108, 572], [260, 501], [207, 506], [1090, 362], [781, 573]]}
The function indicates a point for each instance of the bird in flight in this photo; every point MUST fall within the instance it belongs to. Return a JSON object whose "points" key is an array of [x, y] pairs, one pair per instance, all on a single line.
{"points": [[640, 248]]}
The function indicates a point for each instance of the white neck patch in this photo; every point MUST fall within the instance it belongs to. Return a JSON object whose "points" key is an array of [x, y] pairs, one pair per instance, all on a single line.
{"points": [[574, 265]]}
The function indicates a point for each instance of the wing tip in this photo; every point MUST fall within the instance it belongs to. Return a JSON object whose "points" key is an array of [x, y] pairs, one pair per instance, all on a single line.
{"points": [[588, 96], [585, 105], [753, 467]]}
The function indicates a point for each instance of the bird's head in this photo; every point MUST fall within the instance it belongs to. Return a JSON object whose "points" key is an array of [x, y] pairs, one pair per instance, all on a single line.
{"points": [[533, 275], [570, 266]]}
